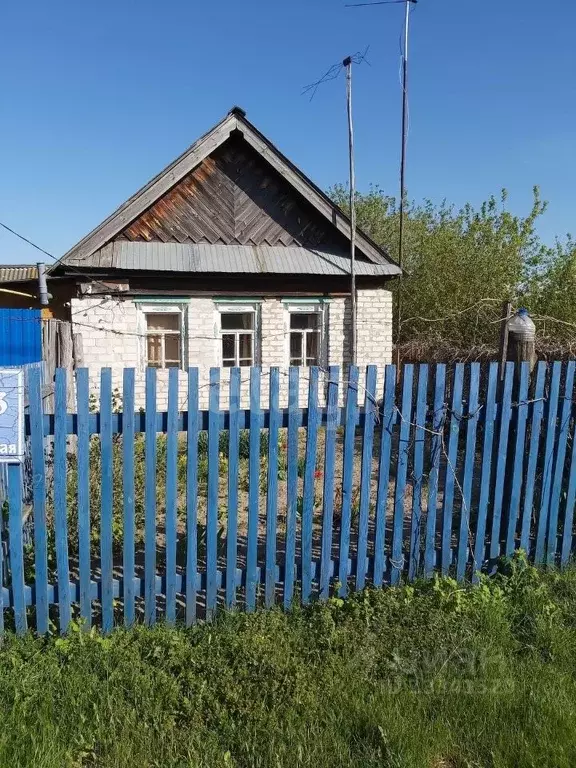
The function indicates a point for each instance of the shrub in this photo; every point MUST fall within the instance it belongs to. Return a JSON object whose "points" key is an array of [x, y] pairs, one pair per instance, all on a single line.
{"points": [[462, 263]]}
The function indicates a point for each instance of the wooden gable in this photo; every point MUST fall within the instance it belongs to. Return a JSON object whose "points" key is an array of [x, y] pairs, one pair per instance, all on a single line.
{"points": [[233, 197]]}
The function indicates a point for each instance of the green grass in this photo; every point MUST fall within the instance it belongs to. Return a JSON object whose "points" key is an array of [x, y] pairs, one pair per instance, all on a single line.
{"points": [[428, 676]]}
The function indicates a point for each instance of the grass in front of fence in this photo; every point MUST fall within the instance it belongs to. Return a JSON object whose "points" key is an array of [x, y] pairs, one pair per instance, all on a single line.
{"points": [[429, 675]]}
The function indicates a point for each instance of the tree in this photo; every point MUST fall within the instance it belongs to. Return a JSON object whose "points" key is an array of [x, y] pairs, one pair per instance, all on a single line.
{"points": [[462, 264], [551, 294]]}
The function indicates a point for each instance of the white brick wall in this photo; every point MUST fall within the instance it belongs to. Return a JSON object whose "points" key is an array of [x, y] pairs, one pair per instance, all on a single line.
{"points": [[112, 337]]}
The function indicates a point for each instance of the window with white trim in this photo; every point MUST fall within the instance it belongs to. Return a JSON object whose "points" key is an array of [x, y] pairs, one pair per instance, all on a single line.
{"points": [[238, 324], [162, 332], [306, 335], [163, 339]]}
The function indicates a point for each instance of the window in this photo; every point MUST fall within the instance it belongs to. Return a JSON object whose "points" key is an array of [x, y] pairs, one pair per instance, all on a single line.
{"points": [[162, 326], [163, 339], [305, 337], [237, 329]]}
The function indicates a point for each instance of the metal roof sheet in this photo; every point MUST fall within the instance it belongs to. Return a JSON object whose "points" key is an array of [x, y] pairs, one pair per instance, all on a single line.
{"points": [[235, 259], [11, 272]]}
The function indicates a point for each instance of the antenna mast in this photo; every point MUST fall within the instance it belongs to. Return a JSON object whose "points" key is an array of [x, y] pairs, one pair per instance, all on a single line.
{"points": [[403, 163], [402, 206], [347, 63]]}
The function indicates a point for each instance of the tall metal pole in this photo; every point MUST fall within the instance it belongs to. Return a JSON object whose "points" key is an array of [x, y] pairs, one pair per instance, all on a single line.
{"points": [[352, 183], [403, 163]]}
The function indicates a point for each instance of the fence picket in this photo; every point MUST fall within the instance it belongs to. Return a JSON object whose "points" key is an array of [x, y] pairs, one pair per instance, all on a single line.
{"points": [[212, 500], [2, 603], [60, 519], [388, 421], [128, 490], [569, 511], [486, 472], [233, 465], [537, 412], [561, 444], [308, 492], [83, 459], [253, 489], [504, 428], [171, 517], [328, 493], [554, 388], [397, 556], [272, 488], [370, 416], [465, 537], [418, 471], [192, 497], [348, 477], [291, 486], [106, 514], [436, 442], [16, 546], [520, 425], [39, 501], [451, 459], [150, 500]]}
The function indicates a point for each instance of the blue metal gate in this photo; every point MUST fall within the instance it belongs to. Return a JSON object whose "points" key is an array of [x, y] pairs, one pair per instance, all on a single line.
{"points": [[20, 336]]}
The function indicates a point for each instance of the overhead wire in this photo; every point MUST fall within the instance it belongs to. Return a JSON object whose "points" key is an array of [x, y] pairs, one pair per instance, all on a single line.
{"points": [[55, 258], [26, 240]]}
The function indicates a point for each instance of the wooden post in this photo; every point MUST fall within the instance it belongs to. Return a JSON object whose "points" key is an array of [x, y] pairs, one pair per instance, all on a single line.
{"points": [[66, 358], [78, 350], [503, 346], [521, 339], [521, 346]]}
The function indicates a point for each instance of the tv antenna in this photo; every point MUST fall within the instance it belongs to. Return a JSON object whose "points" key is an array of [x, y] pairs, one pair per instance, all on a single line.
{"points": [[332, 74], [402, 208]]}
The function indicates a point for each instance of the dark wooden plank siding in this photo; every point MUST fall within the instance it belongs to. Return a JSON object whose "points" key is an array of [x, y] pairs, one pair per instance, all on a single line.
{"points": [[233, 197]]}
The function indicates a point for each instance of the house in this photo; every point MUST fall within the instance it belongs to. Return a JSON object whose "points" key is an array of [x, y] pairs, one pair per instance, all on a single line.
{"points": [[231, 256]]}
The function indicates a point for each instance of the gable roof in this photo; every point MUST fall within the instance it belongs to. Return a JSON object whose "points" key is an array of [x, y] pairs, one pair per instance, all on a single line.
{"points": [[161, 184]]}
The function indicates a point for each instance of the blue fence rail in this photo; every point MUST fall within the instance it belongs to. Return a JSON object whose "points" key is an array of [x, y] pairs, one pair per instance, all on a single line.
{"points": [[171, 515]]}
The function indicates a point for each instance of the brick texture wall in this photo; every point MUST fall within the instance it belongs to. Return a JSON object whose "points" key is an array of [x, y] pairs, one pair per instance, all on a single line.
{"points": [[112, 336]]}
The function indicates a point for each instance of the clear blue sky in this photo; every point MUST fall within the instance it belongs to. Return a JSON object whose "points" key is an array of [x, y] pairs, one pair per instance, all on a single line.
{"points": [[98, 97]]}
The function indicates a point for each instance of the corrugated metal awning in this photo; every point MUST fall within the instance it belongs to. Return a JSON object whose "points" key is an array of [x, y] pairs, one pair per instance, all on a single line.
{"points": [[12, 272], [231, 259]]}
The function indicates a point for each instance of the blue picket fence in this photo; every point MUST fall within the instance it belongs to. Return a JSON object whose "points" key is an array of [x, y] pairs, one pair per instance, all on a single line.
{"points": [[150, 514]]}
